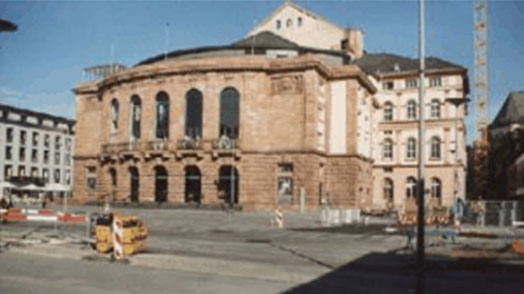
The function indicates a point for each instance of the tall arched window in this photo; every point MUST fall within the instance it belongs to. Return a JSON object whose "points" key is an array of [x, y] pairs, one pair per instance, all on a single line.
{"points": [[411, 148], [160, 184], [115, 109], [162, 115], [435, 148], [193, 127], [193, 184], [412, 109], [136, 114], [388, 189], [388, 111], [411, 188], [435, 108], [229, 113], [134, 184], [436, 188], [387, 149], [289, 22], [228, 184]]}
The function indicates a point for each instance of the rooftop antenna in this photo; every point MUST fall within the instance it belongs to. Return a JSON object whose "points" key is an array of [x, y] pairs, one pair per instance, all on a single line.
{"points": [[167, 40]]}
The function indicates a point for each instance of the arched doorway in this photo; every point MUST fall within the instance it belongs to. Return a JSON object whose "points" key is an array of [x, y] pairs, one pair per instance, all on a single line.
{"points": [[160, 184], [228, 184], [134, 184], [193, 185]]}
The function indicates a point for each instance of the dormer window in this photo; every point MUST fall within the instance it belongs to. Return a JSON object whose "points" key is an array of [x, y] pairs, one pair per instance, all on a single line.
{"points": [[279, 24], [289, 23]]}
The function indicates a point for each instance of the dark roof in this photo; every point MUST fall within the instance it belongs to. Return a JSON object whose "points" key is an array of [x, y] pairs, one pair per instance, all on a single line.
{"points": [[386, 63], [41, 115], [512, 111], [265, 39], [7, 26]]}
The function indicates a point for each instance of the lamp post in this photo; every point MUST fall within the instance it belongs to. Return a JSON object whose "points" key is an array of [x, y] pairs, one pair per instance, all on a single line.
{"points": [[420, 172]]}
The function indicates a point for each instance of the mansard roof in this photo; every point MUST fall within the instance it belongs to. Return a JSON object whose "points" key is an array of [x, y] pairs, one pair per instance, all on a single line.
{"points": [[378, 64], [512, 110]]}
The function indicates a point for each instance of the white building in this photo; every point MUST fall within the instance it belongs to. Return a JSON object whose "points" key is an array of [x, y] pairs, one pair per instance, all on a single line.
{"points": [[35, 148]]}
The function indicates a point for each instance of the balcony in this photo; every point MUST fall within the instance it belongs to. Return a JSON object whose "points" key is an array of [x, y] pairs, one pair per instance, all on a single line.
{"points": [[189, 146], [122, 149], [225, 146], [158, 148]]}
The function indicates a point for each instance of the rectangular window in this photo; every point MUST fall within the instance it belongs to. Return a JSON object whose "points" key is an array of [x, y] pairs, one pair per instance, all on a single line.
{"points": [[57, 158], [8, 171], [67, 159], [57, 176], [68, 177], [23, 136], [35, 138], [68, 144], [8, 153], [411, 83], [21, 171], [45, 175], [388, 85], [91, 180], [435, 81], [285, 183], [21, 154], [46, 156], [46, 141], [58, 142], [9, 135], [34, 156], [34, 172]]}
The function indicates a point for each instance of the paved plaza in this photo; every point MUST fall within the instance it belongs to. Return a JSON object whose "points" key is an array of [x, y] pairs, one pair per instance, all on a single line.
{"points": [[214, 251]]}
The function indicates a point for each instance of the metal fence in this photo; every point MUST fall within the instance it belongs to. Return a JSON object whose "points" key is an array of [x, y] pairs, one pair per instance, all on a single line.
{"points": [[493, 213]]}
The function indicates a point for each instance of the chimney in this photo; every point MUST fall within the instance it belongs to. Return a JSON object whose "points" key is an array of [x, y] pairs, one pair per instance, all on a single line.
{"points": [[353, 42]]}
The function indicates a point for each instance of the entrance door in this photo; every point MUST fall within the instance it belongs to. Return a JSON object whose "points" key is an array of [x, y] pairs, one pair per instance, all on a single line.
{"points": [[160, 184], [134, 183], [228, 184], [193, 185]]}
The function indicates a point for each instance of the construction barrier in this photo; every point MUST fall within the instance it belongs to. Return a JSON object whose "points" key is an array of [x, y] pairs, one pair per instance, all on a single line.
{"points": [[118, 236], [125, 235], [44, 215], [279, 219]]}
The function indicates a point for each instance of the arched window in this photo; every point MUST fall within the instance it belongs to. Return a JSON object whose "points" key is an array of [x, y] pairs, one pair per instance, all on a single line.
{"points": [[412, 109], [160, 184], [387, 149], [411, 188], [229, 113], [436, 188], [134, 184], [228, 184], [435, 108], [112, 175], [411, 148], [162, 115], [193, 184], [289, 23], [435, 148], [115, 109], [299, 21], [193, 127], [388, 111], [136, 113], [388, 189], [279, 24]]}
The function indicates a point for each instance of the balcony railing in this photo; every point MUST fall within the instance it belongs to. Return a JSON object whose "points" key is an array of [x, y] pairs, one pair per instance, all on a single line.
{"points": [[119, 147], [157, 145], [225, 143], [189, 143]]}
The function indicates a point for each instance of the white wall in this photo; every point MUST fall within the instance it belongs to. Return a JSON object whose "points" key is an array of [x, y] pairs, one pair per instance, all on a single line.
{"points": [[338, 126]]}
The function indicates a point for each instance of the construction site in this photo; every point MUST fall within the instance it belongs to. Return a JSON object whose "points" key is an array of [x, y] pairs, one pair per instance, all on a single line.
{"points": [[291, 160]]}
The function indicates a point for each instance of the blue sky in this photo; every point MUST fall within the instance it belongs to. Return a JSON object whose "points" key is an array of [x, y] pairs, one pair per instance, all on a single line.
{"points": [[43, 60]]}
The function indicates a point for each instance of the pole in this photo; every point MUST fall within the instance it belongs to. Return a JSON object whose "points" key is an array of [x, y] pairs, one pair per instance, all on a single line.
{"points": [[232, 187], [167, 41], [421, 186]]}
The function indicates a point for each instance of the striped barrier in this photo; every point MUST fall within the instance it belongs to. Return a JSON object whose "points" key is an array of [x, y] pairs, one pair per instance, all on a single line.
{"points": [[118, 238], [279, 219], [43, 215]]}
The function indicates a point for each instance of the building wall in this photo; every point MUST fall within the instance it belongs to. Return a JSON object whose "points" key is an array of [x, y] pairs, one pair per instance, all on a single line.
{"points": [[284, 116], [400, 128], [314, 31], [60, 156]]}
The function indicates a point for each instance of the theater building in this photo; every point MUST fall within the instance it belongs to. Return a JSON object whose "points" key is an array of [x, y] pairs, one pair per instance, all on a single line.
{"points": [[287, 110]]}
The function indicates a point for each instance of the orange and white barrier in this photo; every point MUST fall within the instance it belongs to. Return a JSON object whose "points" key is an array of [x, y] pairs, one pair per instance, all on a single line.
{"points": [[43, 215], [118, 238], [279, 219]]}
